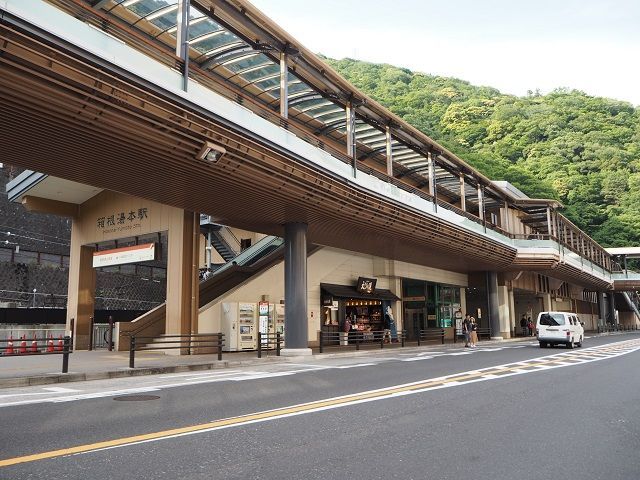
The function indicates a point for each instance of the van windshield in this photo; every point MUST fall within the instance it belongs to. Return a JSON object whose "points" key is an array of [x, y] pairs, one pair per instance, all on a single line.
{"points": [[552, 319]]}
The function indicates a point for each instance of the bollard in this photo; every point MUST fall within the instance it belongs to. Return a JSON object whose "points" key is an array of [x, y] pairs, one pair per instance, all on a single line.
{"points": [[110, 336], [90, 333], [442, 337], [259, 345], [65, 354], [278, 344], [132, 352], [321, 342], [220, 343]]}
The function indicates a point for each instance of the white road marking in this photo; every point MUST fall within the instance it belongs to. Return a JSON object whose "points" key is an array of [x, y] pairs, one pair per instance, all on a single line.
{"points": [[61, 390], [357, 365]]}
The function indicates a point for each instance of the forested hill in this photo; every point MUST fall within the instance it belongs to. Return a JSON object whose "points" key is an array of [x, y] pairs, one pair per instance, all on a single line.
{"points": [[581, 150]]}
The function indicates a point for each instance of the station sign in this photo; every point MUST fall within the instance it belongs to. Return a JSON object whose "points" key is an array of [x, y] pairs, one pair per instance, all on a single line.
{"points": [[120, 256]]}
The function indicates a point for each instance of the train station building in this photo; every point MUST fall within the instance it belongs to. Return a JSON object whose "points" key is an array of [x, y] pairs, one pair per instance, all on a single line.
{"points": [[200, 136]]}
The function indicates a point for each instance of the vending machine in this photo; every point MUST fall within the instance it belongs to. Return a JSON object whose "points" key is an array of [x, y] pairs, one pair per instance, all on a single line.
{"points": [[239, 325]]}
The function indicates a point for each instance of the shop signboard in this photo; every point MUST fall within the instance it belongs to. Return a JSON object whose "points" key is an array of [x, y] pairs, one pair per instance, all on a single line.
{"points": [[263, 321], [366, 285]]}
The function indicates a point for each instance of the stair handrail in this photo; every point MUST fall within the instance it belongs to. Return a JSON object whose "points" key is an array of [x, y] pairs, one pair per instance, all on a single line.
{"points": [[251, 252]]}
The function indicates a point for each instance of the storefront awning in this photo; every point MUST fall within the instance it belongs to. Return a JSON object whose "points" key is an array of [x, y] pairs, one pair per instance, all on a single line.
{"points": [[346, 291]]}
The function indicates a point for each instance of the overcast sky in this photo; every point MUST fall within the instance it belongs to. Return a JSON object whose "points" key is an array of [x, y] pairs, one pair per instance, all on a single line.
{"points": [[513, 45]]}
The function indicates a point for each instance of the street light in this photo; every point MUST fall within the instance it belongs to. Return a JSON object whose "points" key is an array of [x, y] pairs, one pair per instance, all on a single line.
{"points": [[34, 297], [211, 152]]}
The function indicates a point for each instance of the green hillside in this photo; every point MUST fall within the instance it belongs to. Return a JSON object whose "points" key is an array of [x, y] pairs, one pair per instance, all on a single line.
{"points": [[582, 150]]}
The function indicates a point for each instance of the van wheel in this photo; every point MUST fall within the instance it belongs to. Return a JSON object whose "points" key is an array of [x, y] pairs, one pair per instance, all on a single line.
{"points": [[579, 344], [543, 344], [570, 344]]}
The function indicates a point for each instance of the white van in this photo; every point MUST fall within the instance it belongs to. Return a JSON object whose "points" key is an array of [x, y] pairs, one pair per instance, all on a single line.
{"points": [[553, 328]]}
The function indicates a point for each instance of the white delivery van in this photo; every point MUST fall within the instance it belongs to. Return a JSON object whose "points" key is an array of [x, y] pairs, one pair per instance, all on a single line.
{"points": [[553, 328]]}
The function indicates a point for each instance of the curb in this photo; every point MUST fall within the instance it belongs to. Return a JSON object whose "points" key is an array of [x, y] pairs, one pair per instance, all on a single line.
{"points": [[123, 372]]}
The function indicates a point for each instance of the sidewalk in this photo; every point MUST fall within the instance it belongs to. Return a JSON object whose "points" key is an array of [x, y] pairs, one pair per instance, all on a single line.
{"points": [[25, 370]]}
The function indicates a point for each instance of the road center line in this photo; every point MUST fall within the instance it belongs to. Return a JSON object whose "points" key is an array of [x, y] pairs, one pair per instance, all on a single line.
{"points": [[459, 379]]}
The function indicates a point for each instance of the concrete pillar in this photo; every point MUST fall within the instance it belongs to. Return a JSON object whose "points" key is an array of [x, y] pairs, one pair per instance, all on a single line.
{"points": [[546, 302], [611, 304], [182, 275], [602, 312], [494, 305], [295, 290], [81, 290], [463, 195], [504, 311]]}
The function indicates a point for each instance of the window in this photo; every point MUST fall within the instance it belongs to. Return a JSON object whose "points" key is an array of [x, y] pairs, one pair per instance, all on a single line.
{"points": [[552, 319]]}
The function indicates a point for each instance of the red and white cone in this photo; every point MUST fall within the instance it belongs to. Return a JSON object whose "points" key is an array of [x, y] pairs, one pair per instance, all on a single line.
{"points": [[60, 345], [34, 345], [9, 349], [23, 345], [50, 344]]}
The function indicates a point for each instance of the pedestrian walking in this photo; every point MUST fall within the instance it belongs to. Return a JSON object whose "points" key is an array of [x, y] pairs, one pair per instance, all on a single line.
{"points": [[530, 326]]}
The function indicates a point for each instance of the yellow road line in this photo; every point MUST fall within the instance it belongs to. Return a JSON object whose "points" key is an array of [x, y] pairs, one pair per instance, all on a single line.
{"points": [[240, 420], [376, 394]]}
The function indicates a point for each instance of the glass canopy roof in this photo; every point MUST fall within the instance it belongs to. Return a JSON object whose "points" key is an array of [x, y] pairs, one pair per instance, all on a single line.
{"points": [[256, 70]]}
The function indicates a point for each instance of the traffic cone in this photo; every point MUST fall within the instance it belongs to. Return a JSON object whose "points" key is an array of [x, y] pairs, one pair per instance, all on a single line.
{"points": [[23, 345], [60, 345], [9, 349], [34, 344], [50, 344]]}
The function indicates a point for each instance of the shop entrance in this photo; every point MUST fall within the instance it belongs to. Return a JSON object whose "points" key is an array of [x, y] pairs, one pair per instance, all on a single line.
{"points": [[414, 319]]}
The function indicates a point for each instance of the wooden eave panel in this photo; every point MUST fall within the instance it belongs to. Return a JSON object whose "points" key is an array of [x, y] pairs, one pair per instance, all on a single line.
{"points": [[65, 117]]}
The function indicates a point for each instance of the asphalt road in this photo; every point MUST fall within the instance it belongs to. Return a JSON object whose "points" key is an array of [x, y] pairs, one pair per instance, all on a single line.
{"points": [[511, 411]]}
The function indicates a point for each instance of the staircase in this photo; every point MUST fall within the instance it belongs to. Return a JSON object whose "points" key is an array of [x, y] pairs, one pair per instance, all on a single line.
{"points": [[255, 259]]}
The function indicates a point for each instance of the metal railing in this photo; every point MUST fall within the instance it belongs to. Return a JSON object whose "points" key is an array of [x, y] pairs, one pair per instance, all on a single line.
{"points": [[431, 334], [616, 328], [39, 346], [269, 341], [358, 338], [184, 342]]}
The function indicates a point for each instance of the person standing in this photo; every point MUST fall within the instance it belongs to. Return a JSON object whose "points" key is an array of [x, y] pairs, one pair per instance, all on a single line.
{"points": [[523, 324], [474, 332], [530, 325], [466, 330]]}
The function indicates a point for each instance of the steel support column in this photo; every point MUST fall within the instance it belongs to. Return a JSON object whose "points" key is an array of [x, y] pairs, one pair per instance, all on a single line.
{"points": [[351, 136], [182, 40], [463, 195], [295, 290], [480, 203], [432, 173], [389, 151], [284, 85]]}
